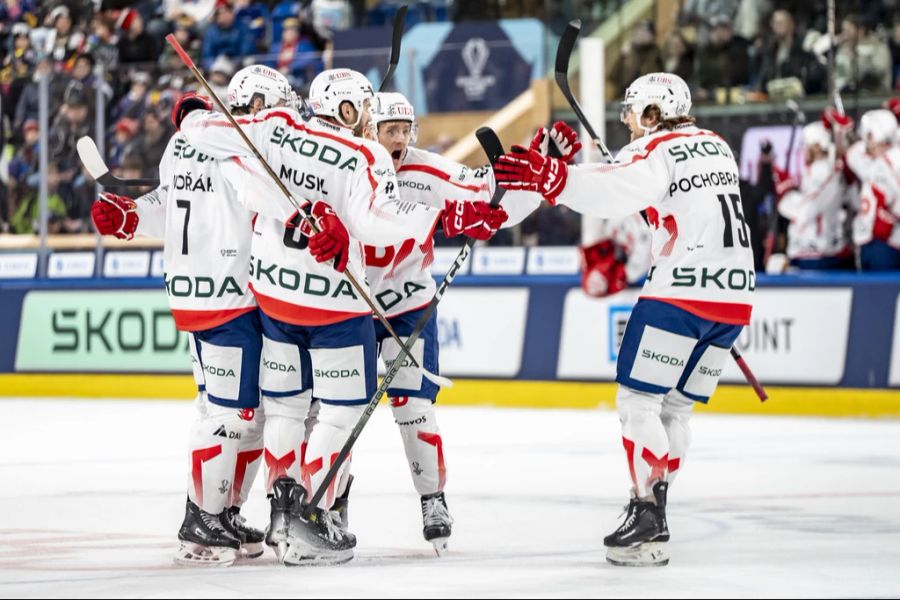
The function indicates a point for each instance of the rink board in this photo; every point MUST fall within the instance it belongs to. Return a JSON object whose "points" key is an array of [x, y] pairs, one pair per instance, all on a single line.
{"points": [[822, 345]]}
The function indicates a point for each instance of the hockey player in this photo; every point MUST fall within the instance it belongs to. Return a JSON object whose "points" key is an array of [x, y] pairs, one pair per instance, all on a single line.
{"points": [[402, 284], [876, 162], [207, 237], [816, 237], [317, 330], [697, 296]]}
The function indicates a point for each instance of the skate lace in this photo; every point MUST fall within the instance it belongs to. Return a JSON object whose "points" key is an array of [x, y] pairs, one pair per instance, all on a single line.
{"points": [[630, 520], [330, 523], [212, 521], [435, 513]]}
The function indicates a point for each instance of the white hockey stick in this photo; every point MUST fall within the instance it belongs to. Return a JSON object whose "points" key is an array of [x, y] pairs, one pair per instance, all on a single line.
{"points": [[93, 162]]}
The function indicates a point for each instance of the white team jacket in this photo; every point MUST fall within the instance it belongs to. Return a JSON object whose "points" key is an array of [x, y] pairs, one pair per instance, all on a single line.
{"points": [[816, 220], [317, 161], [687, 180], [878, 216]]}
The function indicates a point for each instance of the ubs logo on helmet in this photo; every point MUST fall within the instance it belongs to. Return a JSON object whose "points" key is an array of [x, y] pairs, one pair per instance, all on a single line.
{"points": [[400, 110]]}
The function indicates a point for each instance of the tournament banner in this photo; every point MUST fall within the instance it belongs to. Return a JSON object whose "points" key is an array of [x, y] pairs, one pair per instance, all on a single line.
{"points": [[485, 64]]}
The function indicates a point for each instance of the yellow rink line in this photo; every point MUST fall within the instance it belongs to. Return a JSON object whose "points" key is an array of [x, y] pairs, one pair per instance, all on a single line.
{"points": [[832, 402]]}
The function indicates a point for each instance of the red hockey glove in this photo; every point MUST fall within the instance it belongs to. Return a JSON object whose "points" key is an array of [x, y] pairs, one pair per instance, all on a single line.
{"points": [[832, 119], [186, 104], [476, 220], [604, 269], [115, 215], [531, 171], [564, 139], [332, 241], [893, 105], [784, 183]]}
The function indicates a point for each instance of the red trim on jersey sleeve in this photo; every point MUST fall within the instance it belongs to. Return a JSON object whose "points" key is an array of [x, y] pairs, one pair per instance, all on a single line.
{"points": [[294, 125], [199, 320], [720, 312], [442, 175], [302, 315], [650, 147], [370, 158]]}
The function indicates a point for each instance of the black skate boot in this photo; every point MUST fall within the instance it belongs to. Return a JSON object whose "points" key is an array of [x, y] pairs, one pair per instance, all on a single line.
{"points": [[660, 491], [342, 505], [251, 539], [284, 491], [638, 542], [437, 521], [317, 539], [204, 541]]}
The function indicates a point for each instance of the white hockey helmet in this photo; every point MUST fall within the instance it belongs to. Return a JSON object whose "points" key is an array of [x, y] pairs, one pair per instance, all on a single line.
{"points": [[880, 125], [815, 134], [666, 91], [393, 106], [259, 80], [333, 87]]}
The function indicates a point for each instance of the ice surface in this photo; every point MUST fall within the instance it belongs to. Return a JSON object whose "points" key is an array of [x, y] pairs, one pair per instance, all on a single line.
{"points": [[92, 494]]}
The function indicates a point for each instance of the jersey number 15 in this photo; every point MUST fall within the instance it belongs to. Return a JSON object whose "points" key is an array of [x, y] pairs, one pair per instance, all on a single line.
{"points": [[743, 232]]}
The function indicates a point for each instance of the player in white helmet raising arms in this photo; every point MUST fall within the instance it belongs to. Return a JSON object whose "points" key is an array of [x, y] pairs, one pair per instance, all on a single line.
{"points": [[207, 251], [875, 159], [697, 296], [402, 284], [816, 233], [317, 330]]}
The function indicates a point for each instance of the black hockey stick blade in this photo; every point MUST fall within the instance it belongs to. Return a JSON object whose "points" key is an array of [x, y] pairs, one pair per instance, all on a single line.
{"points": [[493, 148], [563, 56], [93, 162], [564, 52], [399, 24]]}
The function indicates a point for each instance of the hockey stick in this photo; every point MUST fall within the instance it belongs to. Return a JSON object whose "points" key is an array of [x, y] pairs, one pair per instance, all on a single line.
{"points": [[189, 63], [493, 148], [93, 162], [798, 118], [399, 23], [563, 55], [748, 374]]}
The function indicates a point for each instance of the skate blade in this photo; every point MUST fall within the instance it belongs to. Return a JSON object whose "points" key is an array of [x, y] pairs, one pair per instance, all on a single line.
{"points": [[440, 545], [281, 549], [301, 557], [195, 555], [252, 550], [650, 554]]}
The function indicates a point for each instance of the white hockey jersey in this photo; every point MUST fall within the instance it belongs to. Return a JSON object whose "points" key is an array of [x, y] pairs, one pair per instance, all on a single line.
{"points": [[815, 211], [317, 161], [207, 238], [400, 275], [688, 182], [878, 217], [858, 160]]}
